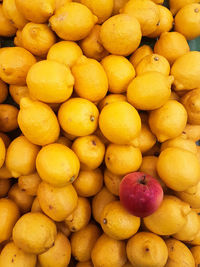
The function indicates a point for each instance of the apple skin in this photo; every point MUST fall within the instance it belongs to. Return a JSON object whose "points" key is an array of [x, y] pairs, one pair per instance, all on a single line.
{"points": [[140, 194]]}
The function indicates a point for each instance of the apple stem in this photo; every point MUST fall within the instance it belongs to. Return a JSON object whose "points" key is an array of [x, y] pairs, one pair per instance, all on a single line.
{"points": [[142, 180]]}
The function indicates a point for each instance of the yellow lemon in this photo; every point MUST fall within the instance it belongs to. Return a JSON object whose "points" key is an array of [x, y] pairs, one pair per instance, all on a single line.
{"points": [[31, 120], [111, 98], [50, 82], [120, 122], [37, 11], [64, 161], [108, 252], [15, 63], [18, 38], [186, 71], [191, 103], [29, 183], [118, 223], [57, 202], [171, 45], [83, 241], [188, 15], [147, 249], [58, 255], [192, 198], [34, 233], [99, 201], [78, 117], [190, 228], [37, 38], [102, 8], [118, 5], [171, 127], [150, 90], [18, 92], [73, 21], [176, 5], [64, 141], [121, 34], [192, 132], [12, 255], [65, 52], [139, 54], [88, 182], [36, 206], [92, 46], [120, 73], [9, 214], [195, 253], [2, 152], [145, 140], [21, 198], [165, 23], [5, 173], [122, 159], [112, 181], [80, 217], [170, 168], [90, 151], [7, 29], [169, 218], [15, 160], [146, 12], [13, 14], [90, 79], [179, 254], [60, 3], [153, 62]]}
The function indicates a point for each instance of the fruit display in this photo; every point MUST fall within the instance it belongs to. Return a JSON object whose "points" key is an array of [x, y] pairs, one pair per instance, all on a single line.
{"points": [[99, 133]]}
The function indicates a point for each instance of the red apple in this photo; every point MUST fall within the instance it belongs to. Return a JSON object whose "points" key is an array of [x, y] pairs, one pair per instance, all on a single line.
{"points": [[140, 194]]}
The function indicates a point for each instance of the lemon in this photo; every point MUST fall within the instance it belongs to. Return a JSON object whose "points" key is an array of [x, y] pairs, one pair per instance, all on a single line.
{"points": [[102, 8], [91, 81], [121, 34], [111, 98], [120, 122], [169, 218], [37, 11], [120, 73], [195, 253], [118, 223], [65, 52], [78, 117], [7, 29], [139, 54], [146, 12], [64, 161], [171, 127], [37, 38], [40, 238], [50, 82], [149, 90], [31, 120], [186, 71], [170, 168], [2, 152], [176, 5], [92, 46], [147, 249], [73, 21]]}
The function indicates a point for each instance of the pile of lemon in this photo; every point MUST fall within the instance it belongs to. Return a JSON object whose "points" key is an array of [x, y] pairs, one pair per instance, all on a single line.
{"points": [[92, 104]]}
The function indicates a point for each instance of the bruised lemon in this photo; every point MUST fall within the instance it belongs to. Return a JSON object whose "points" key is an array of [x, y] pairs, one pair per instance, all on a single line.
{"points": [[120, 122]]}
